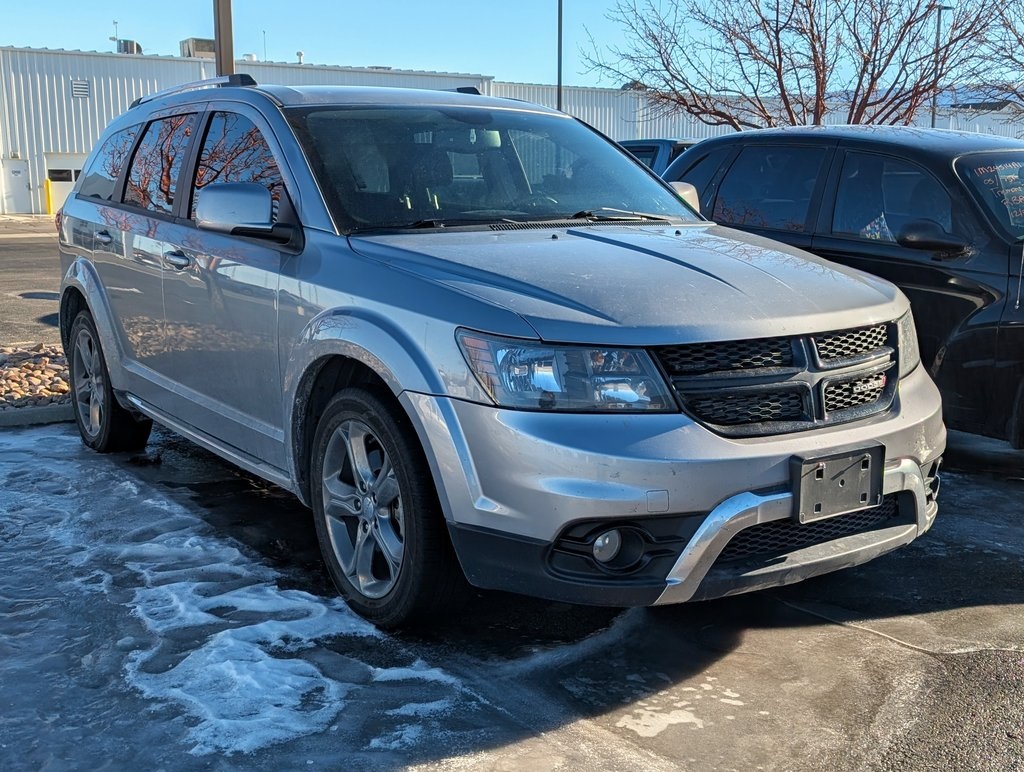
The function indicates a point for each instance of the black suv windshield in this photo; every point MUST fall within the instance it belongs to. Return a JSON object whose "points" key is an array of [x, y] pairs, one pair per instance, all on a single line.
{"points": [[425, 166], [997, 181]]}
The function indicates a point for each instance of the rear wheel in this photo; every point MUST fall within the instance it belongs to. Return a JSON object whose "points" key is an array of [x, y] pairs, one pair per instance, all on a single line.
{"points": [[105, 426], [381, 531]]}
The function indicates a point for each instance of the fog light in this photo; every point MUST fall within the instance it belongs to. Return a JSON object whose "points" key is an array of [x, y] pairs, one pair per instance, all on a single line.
{"points": [[607, 546]]}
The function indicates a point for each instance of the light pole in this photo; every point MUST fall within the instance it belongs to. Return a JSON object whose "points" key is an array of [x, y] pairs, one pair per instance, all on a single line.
{"points": [[115, 38], [558, 90], [938, 30]]}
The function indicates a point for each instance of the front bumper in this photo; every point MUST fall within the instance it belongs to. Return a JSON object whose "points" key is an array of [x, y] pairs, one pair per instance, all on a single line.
{"points": [[517, 487]]}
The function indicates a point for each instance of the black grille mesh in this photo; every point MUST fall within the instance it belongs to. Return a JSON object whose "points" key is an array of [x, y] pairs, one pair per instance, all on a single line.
{"points": [[849, 343], [781, 536], [863, 391], [738, 409], [699, 358]]}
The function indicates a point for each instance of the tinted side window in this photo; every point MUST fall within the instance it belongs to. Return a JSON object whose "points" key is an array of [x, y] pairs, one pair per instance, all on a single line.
{"points": [[153, 174], [703, 168], [234, 150], [879, 195], [769, 187], [644, 154], [99, 179]]}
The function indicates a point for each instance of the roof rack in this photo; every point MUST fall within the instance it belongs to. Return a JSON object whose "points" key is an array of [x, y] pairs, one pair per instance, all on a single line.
{"points": [[238, 79]]}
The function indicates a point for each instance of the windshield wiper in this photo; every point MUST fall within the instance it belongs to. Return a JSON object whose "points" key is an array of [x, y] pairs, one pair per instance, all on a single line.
{"points": [[610, 213]]}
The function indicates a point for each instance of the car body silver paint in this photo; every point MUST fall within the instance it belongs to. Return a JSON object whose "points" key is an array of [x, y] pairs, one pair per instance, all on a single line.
{"points": [[530, 473], [394, 302], [645, 285], [746, 509]]}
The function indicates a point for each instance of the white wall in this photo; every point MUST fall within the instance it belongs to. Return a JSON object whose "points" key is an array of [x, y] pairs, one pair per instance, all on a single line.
{"points": [[40, 116]]}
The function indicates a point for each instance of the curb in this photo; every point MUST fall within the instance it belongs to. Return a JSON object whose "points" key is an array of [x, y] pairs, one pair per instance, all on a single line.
{"points": [[42, 414]]}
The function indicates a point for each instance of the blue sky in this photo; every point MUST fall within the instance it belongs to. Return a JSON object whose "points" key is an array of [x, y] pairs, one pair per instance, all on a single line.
{"points": [[513, 40]]}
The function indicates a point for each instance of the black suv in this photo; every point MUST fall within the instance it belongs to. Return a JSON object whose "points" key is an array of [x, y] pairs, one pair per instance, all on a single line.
{"points": [[939, 213]]}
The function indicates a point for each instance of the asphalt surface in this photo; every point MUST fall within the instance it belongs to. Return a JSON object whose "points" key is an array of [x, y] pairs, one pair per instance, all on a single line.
{"points": [[29, 283], [914, 661]]}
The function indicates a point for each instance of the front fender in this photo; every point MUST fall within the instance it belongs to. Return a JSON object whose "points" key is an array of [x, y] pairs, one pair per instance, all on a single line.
{"points": [[429, 363]]}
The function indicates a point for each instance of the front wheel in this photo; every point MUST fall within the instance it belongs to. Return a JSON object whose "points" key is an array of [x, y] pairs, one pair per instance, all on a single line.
{"points": [[105, 426], [378, 520]]}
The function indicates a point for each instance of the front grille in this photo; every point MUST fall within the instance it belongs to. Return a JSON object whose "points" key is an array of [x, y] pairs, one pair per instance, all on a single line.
{"points": [[768, 386], [851, 343], [766, 540], [847, 394], [731, 355], [739, 409]]}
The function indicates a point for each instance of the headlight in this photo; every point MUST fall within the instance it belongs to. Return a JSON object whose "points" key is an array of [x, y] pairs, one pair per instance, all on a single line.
{"points": [[538, 376], [909, 353]]}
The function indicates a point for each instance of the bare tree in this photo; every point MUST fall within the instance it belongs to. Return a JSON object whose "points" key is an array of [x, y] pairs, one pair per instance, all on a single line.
{"points": [[1005, 81], [753, 63]]}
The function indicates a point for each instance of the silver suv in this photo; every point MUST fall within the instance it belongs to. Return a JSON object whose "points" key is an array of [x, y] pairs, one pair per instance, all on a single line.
{"points": [[482, 343]]}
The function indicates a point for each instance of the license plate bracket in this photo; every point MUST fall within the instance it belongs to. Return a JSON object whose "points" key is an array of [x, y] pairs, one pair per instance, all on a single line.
{"points": [[837, 484]]}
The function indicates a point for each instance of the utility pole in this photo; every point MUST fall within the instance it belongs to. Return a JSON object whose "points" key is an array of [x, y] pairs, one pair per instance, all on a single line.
{"points": [[559, 88], [938, 30], [223, 43]]}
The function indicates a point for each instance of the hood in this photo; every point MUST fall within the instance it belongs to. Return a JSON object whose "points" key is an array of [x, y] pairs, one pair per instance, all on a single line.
{"points": [[645, 285]]}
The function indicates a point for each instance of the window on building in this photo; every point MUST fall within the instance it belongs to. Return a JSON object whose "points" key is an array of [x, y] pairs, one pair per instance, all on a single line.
{"points": [[101, 175], [879, 195], [60, 175], [153, 174], [769, 186], [234, 150]]}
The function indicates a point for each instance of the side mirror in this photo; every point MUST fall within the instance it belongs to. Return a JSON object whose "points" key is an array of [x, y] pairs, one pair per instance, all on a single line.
{"points": [[928, 235], [237, 208], [688, 193]]}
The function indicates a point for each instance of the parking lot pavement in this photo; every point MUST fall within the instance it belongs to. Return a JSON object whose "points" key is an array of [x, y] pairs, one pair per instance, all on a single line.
{"points": [[167, 610], [29, 281]]}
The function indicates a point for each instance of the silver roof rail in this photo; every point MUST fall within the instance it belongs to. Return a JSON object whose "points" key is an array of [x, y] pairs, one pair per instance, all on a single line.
{"points": [[238, 79]]}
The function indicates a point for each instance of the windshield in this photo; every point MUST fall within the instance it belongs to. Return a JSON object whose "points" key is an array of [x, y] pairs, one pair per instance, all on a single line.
{"points": [[417, 166], [997, 181]]}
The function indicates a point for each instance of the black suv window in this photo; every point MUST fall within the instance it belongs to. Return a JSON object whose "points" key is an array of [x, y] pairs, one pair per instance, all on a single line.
{"points": [[153, 175], [703, 168], [769, 187], [879, 195], [234, 150], [101, 176]]}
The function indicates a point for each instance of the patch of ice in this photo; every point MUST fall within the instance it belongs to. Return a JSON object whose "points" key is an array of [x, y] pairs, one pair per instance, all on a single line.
{"points": [[418, 671], [648, 723], [422, 708], [400, 738]]}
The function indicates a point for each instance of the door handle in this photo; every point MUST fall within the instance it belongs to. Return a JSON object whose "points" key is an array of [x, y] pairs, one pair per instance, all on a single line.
{"points": [[104, 237], [177, 259]]}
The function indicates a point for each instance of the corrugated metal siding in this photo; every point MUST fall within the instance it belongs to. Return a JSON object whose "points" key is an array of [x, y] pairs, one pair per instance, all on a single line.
{"points": [[322, 75], [38, 114]]}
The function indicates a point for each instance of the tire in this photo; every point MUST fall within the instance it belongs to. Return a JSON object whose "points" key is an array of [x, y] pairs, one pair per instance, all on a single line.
{"points": [[105, 426], [378, 520]]}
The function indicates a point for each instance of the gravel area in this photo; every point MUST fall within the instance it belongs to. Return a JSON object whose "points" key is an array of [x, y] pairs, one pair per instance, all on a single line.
{"points": [[33, 375]]}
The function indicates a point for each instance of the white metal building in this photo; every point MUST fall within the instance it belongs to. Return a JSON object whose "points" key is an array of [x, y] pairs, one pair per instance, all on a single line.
{"points": [[54, 104]]}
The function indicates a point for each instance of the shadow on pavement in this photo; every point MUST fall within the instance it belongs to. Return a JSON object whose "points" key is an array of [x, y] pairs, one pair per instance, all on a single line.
{"points": [[545, 665]]}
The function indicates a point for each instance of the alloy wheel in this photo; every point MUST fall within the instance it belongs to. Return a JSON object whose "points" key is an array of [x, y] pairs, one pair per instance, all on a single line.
{"points": [[363, 509]]}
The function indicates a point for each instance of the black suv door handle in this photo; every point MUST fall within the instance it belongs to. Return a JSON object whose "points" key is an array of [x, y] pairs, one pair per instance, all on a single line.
{"points": [[104, 237], [178, 259]]}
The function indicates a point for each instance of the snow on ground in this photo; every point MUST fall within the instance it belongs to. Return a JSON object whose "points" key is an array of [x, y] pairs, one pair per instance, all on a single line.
{"points": [[106, 584]]}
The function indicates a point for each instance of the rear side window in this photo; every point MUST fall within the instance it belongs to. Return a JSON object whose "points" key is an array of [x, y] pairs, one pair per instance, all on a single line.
{"points": [[153, 175], [644, 154], [234, 150], [770, 187], [879, 195], [100, 178]]}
